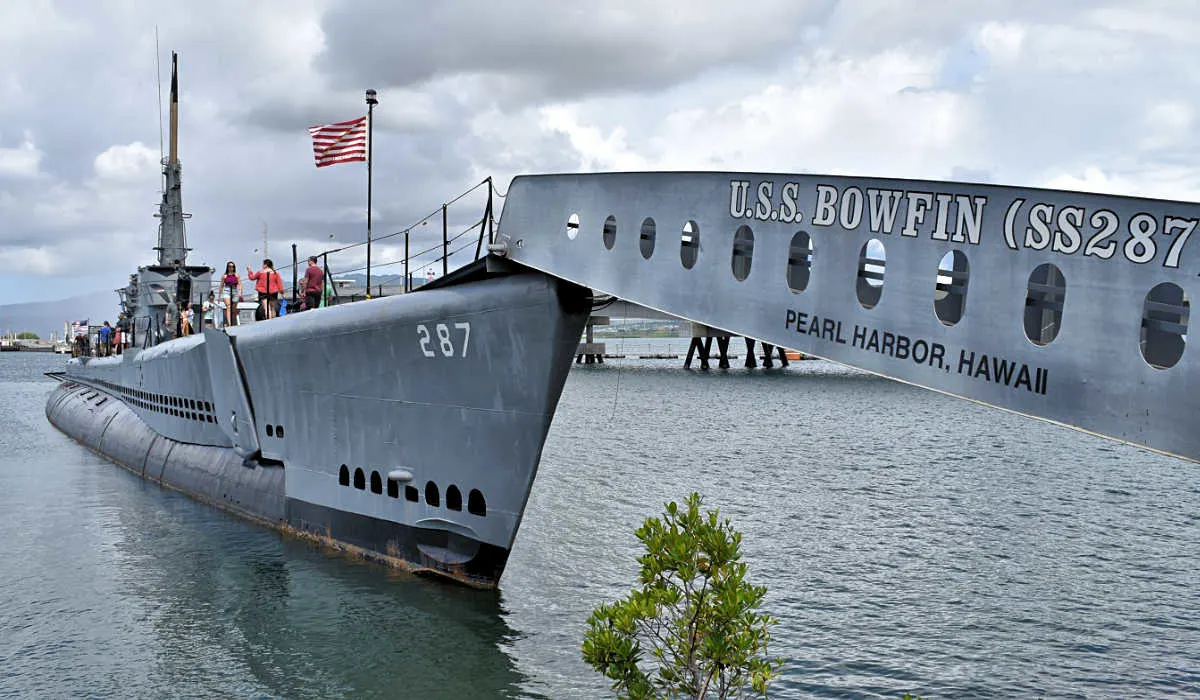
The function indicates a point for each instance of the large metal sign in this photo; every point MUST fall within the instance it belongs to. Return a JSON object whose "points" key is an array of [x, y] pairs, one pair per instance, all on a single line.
{"points": [[1066, 306]]}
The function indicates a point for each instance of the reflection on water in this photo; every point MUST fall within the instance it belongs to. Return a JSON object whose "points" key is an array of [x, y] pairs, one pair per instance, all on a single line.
{"points": [[117, 588], [909, 542]]}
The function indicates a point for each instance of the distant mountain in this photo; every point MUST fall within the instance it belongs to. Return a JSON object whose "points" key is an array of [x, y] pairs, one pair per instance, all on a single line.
{"points": [[46, 317]]}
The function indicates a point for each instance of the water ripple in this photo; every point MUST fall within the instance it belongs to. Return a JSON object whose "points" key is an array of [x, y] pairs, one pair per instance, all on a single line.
{"points": [[910, 542]]}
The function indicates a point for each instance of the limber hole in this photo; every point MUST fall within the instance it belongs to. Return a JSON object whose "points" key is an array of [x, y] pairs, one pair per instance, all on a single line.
{"points": [[689, 244], [610, 232], [950, 287], [1045, 297], [1164, 328], [743, 253], [799, 266], [872, 263], [646, 238]]}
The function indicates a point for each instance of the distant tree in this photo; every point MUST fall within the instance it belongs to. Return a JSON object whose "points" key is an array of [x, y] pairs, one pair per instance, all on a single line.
{"points": [[27, 335], [693, 628]]}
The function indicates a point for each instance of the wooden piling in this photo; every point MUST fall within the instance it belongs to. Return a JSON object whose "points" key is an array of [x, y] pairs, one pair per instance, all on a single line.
{"points": [[687, 362], [589, 351]]}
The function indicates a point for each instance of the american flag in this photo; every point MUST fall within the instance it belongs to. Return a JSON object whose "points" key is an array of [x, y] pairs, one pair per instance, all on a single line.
{"points": [[343, 142]]}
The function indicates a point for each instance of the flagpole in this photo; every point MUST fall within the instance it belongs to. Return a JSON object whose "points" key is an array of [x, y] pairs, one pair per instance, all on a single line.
{"points": [[372, 100]]}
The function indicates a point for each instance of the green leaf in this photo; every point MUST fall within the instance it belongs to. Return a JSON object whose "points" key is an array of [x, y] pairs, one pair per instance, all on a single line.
{"points": [[694, 617]]}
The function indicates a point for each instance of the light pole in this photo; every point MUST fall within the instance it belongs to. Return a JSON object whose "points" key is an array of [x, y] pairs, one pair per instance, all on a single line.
{"points": [[372, 100]]}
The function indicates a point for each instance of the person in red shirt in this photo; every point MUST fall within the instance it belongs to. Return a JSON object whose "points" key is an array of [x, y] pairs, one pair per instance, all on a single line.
{"points": [[314, 282], [268, 284]]}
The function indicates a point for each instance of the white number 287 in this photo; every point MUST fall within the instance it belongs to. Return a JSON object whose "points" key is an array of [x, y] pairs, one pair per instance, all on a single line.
{"points": [[442, 340]]}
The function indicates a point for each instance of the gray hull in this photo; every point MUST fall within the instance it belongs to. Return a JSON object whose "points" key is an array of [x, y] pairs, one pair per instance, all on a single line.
{"points": [[406, 429]]}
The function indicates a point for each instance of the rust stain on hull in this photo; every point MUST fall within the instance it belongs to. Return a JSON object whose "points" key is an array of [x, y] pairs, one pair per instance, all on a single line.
{"points": [[391, 559]]}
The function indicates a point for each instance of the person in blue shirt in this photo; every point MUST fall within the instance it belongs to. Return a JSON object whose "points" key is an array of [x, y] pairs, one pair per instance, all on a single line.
{"points": [[106, 333]]}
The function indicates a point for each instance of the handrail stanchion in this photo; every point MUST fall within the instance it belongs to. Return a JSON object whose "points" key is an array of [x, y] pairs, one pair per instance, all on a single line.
{"points": [[328, 278], [295, 270], [490, 212], [487, 216]]}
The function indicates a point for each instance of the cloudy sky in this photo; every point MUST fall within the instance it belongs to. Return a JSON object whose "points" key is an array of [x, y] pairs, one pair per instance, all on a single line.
{"points": [[1093, 96]]}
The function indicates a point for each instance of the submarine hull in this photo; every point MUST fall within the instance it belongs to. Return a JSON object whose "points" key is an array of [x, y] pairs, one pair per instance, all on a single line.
{"points": [[405, 430]]}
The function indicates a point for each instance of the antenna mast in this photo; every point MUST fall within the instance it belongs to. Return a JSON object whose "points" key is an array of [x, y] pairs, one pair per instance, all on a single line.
{"points": [[158, 82], [174, 153], [172, 238]]}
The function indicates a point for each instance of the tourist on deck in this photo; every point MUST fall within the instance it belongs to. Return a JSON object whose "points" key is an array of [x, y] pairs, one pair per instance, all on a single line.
{"points": [[106, 336], [230, 286], [123, 333], [185, 319], [268, 284], [314, 282], [214, 311]]}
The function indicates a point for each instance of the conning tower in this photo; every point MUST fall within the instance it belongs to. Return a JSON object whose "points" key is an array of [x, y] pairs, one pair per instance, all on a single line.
{"points": [[156, 296], [172, 237]]}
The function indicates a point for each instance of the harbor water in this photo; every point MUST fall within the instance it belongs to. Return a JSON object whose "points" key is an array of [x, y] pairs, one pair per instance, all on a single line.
{"points": [[910, 542]]}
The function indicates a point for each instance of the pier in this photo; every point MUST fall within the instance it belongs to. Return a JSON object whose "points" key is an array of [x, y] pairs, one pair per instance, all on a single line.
{"points": [[699, 345], [56, 346]]}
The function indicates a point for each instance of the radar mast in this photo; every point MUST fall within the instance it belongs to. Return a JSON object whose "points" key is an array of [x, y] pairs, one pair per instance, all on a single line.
{"points": [[172, 236]]}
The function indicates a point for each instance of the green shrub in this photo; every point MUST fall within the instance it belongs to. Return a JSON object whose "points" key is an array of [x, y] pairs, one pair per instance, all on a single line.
{"points": [[693, 627]]}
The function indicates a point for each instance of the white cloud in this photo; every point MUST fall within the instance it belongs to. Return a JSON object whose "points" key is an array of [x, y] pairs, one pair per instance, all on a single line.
{"points": [[1163, 21], [128, 163], [1018, 92], [21, 161], [1091, 179], [65, 257], [1001, 40], [1079, 49], [878, 115], [1168, 123], [596, 149], [1162, 182], [34, 261]]}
